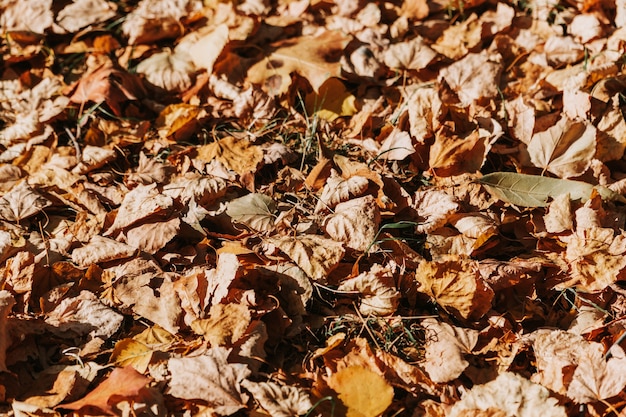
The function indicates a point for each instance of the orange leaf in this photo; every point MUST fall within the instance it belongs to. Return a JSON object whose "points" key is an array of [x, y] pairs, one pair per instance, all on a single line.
{"points": [[122, 384]]}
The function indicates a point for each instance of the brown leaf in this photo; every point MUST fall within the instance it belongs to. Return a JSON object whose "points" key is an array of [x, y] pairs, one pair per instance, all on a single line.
{"points": [[226, 324], [377, 289], [122, 384], [597, 378], [7, 301], [315, 255], [237, 154], [456, 285], [313, 57], [101, 249], [21, 202], [152, 237], [210, 378], [474, 77]]}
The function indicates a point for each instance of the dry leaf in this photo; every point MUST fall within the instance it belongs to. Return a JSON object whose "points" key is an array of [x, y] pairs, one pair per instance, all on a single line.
{"points": [[332, 100], [506, 396], [254, 210], [227, 323], [21, 202], [377, 289], [33, 16], [446, 347], [7, 301], [315, 255], [153, 20], [363, 392], [434, 208], [129, 352], [101, 249], [565, 149], [411, 55], [152, 237], [169, 71], [456, 285], [474, 77], [354, 222], [122, 384], [237, 154], [279, 400], [597, 378], [210, 378], [82, 13], [307, 56], [397, 146], [338, 189]]}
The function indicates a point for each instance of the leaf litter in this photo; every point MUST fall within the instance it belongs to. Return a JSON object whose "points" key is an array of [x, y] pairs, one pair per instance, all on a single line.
{"points": [[396, 208]]}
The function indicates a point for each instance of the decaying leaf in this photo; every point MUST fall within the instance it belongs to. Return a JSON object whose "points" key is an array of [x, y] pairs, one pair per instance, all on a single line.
{"points": [[315, 255], [122, 384], [21, 202], [354, 222], [376, 286], [363, 392], [456, 285], [508, 395], [254, 210], [211, 378], [279, 400]]}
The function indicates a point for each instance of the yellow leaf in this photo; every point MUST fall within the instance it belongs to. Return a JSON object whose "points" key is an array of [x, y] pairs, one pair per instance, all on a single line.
{"points": [[363, 392], [237, 154], [332, 101], [133, 353]]}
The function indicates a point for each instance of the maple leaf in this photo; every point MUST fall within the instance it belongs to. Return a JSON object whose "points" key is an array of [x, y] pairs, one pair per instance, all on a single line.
{"points": [[211, 378], [313, 57]]}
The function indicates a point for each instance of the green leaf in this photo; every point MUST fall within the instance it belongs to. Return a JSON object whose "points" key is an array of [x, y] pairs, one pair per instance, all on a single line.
{"points": [[535, 191], [254, 210]]}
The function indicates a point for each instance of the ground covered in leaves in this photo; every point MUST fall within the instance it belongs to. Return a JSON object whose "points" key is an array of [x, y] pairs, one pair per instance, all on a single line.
{"points": [[312, 207]]}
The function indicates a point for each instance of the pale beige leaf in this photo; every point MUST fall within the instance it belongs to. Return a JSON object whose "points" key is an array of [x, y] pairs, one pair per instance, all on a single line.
{"points": [[315, 255], [202, 189], [253, 210], [22, 202], [153, 20], [279, 400], [474, 225], [424, 106], [209, 378], [596, 377], [446, 347], [521, 119], [562, 50], [397, 146], [506, 396], [565, 149], [220, 278], [101, 249], [434, 208], [139, 204], [338, 189], [93, 157], [559, 217], [82, 13], [474, 77], [152, 237], [456, 285], [149, 292], [594, 258], [354, 222], [148, 171], [379, 296], [167, 70], [611, 140], [85, 315], [412, 55], [204, 46], [30, 16]]}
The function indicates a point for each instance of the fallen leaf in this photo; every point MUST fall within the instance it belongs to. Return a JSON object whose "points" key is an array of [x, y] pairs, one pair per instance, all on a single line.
{"points": [[456, 285], [152, 237], [227, 323], [474, 77], [101, 249], [21, 202], [446, 347], [122, 384], [354, 222], [253, 210], [397, 146], [171, 71], [338, 189], [315, 255], [434, 208], [7, 301], [363, 392], [316, 58], [597, 378], [237, 154], [507, 395], [82, 13], [130, 352], [210, 378], [377, 289], [279, 400]]}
